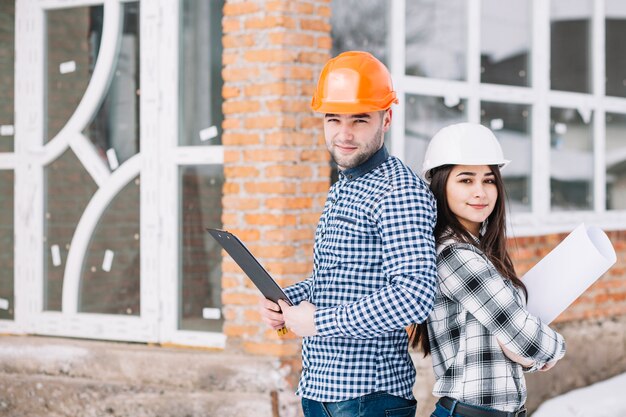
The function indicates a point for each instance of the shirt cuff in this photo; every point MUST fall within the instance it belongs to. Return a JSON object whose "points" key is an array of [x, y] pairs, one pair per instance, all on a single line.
{"points": [[293, 294], [326, 322]]}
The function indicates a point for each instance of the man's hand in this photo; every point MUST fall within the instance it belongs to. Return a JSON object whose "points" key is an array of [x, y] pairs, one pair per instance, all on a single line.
{"points": [[270, 313], [299, 319]]}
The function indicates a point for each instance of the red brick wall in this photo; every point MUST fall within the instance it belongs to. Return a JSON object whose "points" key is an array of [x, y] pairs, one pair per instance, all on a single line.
{"points": [[276, 166], [605, 298]]}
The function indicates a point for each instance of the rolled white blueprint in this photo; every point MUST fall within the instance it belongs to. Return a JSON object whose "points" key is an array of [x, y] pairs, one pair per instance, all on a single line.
{"points": [[567, 271]]}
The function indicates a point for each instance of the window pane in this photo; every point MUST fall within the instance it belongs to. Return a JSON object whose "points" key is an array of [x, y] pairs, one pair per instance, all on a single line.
{"points": [[511, 124], [200, 73], [115, 127], [425, 115], [7, 64], [615, 161], [110, 273], [436, 39], [7, 269], [200, 256], [68, 190], [570, 45], [349, 33], [571, 160], [615, 51], [72, 49], [505, 42]]}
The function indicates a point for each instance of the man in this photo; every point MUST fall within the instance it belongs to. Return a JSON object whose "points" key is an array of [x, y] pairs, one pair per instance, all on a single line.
{"points": [[374, 258]]}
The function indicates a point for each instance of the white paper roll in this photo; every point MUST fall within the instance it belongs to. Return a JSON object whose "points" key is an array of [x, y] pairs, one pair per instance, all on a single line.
{"points": [[567, 271]]}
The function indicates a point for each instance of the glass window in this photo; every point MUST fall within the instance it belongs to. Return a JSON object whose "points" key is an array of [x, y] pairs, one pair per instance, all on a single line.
{"points": [[615, 161], [73, 42], [570, 45], [571, 160], [114, 129], [512, 126], [201, 257], [349, 33], [7, 64], [436, 39], [200, 73], [111, 269], [7, 269], [615, 52], [68, 190], [505, 42], [425, 115]]}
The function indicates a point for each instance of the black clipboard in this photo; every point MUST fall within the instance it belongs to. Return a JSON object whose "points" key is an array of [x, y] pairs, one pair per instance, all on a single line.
{"points": [[253, 269]]}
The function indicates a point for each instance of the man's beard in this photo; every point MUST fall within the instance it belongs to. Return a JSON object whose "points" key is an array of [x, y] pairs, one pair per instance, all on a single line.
{"points": [[372, 147]]}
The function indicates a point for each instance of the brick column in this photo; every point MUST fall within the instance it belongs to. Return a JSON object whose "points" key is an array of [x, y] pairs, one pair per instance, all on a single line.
{"points": [[276, 166]]}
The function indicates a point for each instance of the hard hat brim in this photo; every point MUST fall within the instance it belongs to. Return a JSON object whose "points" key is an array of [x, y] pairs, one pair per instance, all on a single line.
{"points": [[352, 107]]}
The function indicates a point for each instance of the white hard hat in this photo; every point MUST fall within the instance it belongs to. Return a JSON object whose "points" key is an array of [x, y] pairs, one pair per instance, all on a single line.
{"points": [[462, 144]]}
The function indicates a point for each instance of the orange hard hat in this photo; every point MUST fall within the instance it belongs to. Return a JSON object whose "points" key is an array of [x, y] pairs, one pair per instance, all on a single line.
{"points": [[353, 82]]}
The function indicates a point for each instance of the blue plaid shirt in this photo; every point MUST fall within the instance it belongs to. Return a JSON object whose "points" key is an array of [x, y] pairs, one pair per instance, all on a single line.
{"points": [[374, 274]]}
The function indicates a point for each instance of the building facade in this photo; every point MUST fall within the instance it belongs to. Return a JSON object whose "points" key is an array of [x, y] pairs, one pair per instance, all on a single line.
{"points": [[128, 127]]}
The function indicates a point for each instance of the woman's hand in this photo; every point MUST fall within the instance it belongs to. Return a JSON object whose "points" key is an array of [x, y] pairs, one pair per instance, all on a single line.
{"points": [[525, 362], [547, 366]]}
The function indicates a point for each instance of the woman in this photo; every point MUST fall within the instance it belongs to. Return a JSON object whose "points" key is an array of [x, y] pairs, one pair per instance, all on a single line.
{"points": [[479, 334]]}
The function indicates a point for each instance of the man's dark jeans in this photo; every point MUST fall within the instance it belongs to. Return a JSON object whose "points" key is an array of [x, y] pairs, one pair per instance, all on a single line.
{"points": [[378, 404]]}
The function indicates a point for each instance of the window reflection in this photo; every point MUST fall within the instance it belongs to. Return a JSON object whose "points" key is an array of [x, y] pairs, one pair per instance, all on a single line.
{"points": [[505, 42], [511, 125], [615, 161], [436, 39], [115, 128], [72, 50], [68, 190], [200, 256], [425, 115], [200, 73], [570, 45], [7, 308], [109, 281], [615, 56], [7, 64], [349, 32], [571, 160]]}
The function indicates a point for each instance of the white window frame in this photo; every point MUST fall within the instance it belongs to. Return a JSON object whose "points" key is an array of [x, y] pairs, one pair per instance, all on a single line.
{"points": [[157, 162], [540, 220]]}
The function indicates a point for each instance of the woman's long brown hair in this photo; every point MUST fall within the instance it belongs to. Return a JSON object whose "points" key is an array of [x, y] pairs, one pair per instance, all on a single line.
{"points": [[492, 242]]}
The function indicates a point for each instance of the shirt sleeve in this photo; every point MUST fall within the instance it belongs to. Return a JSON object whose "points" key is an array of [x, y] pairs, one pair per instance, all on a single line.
{"points": [[299, 291], [405, 220], [468, 278]]}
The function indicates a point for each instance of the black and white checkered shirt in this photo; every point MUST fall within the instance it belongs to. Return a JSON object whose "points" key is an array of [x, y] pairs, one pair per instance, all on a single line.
{"points": [[374, 274], [473, 307]]}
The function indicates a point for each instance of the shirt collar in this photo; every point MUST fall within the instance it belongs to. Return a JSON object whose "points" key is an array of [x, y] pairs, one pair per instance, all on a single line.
{"points": [[374, 161]]}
